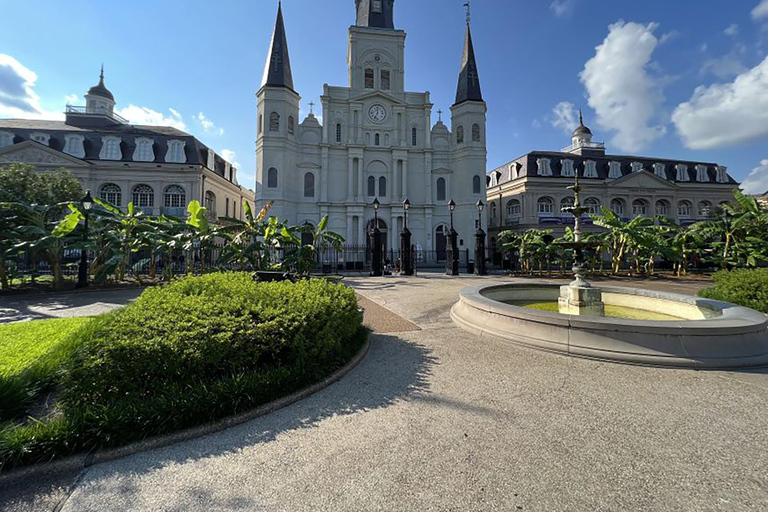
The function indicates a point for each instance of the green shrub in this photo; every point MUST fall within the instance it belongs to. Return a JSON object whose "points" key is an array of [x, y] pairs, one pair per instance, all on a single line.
{"points": [[747, 287], [202, 348]]}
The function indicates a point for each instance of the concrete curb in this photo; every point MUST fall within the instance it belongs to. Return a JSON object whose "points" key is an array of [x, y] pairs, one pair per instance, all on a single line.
{"points": [[81, 461]]}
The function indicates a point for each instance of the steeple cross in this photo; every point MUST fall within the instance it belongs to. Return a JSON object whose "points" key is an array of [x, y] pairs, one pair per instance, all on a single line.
{"points": [[311, 107], [469, 13]]}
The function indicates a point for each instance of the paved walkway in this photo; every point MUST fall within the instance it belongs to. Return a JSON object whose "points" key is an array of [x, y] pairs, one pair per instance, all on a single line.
{"points": [[438, 419]]}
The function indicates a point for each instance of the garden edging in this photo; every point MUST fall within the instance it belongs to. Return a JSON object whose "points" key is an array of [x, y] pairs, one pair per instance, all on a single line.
{"points": [[82, 461]]}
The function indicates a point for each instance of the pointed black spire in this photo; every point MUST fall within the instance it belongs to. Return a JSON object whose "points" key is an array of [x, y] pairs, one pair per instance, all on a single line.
{"points": [[277, 72], [100, 89], [376, 13], [469, 80]]}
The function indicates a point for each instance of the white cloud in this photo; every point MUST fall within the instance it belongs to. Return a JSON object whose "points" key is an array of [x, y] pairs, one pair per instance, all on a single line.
{"points": [[724, 67], [231, 157], [208, 125], [703, 47], [761, 11], [620, 89], [71, 99], [562, 7], [564, 116], [665, 38], [727, 114], [732, 30], [757, 181], [17, 95], [147, 116]]}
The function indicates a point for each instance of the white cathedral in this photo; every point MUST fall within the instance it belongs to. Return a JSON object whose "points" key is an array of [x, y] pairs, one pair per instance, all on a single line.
{"points": [[377, 142]]}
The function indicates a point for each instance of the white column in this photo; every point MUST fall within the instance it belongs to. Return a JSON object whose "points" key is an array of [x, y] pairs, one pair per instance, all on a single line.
{"points": [[393, 193], [405, 178], [323, 172], [350, 178], [326, 121], [350, 227], [360, 194], [427, 129]]}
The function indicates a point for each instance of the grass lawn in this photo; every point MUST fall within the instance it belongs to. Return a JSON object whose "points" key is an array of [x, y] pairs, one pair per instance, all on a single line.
{"points": [[30, 353]]}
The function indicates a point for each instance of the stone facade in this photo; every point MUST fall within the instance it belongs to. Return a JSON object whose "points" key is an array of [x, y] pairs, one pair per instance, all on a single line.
{"points": [[376, 141]]}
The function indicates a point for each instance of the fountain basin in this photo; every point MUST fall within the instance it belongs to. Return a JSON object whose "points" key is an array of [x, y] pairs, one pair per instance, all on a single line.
{"points": [[707, 334]]}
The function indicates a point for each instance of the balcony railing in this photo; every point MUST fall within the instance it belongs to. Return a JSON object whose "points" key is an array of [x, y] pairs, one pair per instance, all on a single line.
{"points": [[83, 111], [584, 145]]}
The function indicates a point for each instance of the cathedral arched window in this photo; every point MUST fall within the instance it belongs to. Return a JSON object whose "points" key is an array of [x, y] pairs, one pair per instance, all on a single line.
{"points": [[369, 78], [376, 139], [371, 186], [272, 178], [414, 136], [460, 135], [111, 193], [274, 122], [290, 125], [441, 189], [175, 197], [309, 185], [475, 132], [476, 185], [143, 196], [382, 187], [385, 79], [338, 132]]}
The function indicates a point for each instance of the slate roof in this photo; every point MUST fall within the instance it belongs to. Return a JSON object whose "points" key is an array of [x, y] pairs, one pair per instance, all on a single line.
{"points": [[468, 88], [100, 89], [277, 72], [196, 151], [528, 166], [366, 17]]}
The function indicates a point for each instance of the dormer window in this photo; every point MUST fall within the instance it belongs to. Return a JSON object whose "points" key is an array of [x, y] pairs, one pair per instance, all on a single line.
{"points": [[637, 166], [614, 170], [211, 163], [567, 169], [376, 7], [590, 169], [110, 148], [659, 170], [144, 150], [682, 172], [701, 174], [385, 79], [369, 78], [722, 174], [544, 168], [176, 152], [42, 138], [6, 139], [74, 145]]}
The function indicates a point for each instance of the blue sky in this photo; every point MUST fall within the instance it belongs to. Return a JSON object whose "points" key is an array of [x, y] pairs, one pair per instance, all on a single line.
{"points": [[683, 79]]}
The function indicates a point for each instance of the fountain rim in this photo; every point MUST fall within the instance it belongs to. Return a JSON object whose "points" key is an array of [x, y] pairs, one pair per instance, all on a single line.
{"points": [[733, 318]]}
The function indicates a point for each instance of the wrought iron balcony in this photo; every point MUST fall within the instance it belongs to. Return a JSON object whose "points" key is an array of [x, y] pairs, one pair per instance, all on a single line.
{"points": [[83, 111]]}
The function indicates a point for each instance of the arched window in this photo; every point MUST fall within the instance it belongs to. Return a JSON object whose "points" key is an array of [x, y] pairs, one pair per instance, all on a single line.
{"points": [[662, 207], [617, 207], [338, 132], [566, 202], [593, 205], [460, 135], [369, 78], [143, 196], [371, 186], [441, 189], [385, 79], [639, 207], [272, 178], [376, 139], [210, 202], [274, 122], [382, 187], [414, 136], [545, 206], [705, 208], [175, 197], [513, 208], [290, 125], [684, 209], [309, 185], [111, 193], [493, 213], [475, 132], [261, 122], [476, 185]]}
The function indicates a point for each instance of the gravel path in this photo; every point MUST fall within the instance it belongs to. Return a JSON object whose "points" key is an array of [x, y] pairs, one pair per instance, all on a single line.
{"points": [[438, 419]]}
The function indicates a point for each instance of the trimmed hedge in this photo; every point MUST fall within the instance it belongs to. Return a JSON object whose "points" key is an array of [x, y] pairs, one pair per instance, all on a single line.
{"points": [[193, 352], [746, 287]]}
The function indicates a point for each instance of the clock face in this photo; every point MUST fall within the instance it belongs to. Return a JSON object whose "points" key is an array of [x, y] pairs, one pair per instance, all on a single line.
{"points": [[377, 113]]}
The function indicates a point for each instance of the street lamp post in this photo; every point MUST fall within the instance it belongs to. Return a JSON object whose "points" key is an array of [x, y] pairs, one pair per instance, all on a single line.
{"points": [[480, 242], [376, 263], [82, 271], [406, 259], [452, 253]]}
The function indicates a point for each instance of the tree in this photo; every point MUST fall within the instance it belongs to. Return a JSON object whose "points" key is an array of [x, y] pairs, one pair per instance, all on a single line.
{"points": [[25, 184]]}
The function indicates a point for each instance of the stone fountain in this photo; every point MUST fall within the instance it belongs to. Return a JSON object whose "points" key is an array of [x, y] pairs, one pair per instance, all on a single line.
{"points": [[579, 297]]}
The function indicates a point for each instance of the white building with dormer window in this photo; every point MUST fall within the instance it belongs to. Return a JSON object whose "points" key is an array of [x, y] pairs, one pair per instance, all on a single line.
{"points": [[685, 192], [159, 168], [377, 140]]}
